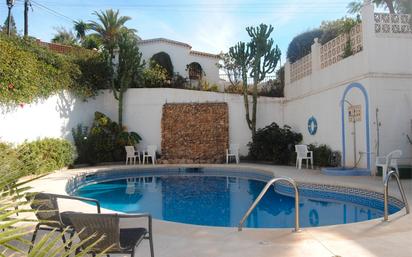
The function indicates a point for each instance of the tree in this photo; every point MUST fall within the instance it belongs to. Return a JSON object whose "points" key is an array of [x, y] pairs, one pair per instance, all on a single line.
{"points": [[80, 27], [129, 68], [392, 5], [13, 28], [108, 28], [257, 58], [64, 37], [91, 41]]}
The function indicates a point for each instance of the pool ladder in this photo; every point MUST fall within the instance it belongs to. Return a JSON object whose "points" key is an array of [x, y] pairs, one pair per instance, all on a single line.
{"points": [[385, 194], [263, 192]]}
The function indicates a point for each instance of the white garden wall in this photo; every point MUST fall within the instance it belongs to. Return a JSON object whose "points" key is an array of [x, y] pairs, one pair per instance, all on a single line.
{"points": [[56, 116]]}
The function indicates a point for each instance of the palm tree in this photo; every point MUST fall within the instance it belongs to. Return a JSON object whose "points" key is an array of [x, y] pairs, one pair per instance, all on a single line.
{"points": [[80, 27], [108, 28], [392, 5], [64, 37]]}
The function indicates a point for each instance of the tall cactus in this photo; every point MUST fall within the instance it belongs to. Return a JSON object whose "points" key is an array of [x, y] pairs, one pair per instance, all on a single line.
{"points": [[240, 54], [264, 58], [257, 58]]}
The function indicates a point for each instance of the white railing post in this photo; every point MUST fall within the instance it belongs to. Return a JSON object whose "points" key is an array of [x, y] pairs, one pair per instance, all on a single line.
{"points": [[315, 48], [368, 25]]}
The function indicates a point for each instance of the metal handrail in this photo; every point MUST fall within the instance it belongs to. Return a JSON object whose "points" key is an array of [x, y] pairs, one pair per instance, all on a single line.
{"points": [[385, 193], [263, 192]]}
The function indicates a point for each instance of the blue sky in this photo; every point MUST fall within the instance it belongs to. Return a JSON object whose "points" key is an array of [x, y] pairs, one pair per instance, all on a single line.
{"points": [[211, 26]]}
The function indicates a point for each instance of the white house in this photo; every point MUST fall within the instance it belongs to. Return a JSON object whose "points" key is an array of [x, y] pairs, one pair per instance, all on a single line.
{"points": [[186, 62]]}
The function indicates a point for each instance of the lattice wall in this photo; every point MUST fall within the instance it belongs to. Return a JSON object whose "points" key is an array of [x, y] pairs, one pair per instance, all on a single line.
{"points": [[386, 23], [301, 68], [332, 52]]}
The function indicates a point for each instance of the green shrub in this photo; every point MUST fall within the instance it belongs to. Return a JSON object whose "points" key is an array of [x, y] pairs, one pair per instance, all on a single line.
{"points": [[45, 155], [29, 72], [323, 156], [328, 30], [273, 143], [301, 44], [163, 60], [178, 81], [104, 142], [80, 134], [154, 76], [10, 166]]}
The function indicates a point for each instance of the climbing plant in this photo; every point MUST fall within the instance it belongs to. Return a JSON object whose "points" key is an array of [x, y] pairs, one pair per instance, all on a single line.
{"points": [[29, 72]]}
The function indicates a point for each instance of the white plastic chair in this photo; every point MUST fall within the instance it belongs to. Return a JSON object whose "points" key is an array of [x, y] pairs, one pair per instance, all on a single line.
{"points": [[233, 151], [150, 152], [388, 162], [302, 153], [131, 155], [137, 152]]}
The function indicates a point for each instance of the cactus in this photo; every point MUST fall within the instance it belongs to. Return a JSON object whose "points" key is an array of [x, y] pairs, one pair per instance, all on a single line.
{"points": [[257, 58]]}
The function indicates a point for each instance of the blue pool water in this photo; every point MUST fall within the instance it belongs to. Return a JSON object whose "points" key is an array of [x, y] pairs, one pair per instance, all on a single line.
{"points": [[204, 198]]}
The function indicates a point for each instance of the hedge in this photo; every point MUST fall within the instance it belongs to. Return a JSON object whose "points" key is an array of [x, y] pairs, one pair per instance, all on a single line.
{"points": [[29, 72]]}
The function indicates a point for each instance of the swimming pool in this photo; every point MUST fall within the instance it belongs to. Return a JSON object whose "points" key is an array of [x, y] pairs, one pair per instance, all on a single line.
{"points": [[220, 197]]}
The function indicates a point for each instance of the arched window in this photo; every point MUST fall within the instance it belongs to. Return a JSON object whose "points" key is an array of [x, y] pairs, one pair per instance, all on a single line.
{"points": [[195, 71], [163, 59]]}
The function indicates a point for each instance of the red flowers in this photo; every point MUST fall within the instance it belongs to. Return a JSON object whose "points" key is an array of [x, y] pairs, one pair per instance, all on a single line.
{"points": [[21, 105], [11, 86]]}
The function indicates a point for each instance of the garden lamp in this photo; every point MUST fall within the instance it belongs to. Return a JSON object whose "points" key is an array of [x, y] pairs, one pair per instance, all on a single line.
{"points": [[10, 4]]}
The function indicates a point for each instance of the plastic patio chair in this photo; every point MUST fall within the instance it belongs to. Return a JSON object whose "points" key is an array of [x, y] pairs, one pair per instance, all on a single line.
{"points": [[388, 162], [118, 240], [49, 216], [302, 153], [150, 152], [233, 151], [131, 155]]}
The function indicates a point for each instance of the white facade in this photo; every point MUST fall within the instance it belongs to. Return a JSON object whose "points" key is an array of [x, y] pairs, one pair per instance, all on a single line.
{"points": [[378, 78], [56, 116], [181, 55]]}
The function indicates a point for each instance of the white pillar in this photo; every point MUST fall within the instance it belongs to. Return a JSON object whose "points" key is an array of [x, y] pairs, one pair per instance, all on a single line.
{"points": [[287, 72], [315, 48], [368, 25]]}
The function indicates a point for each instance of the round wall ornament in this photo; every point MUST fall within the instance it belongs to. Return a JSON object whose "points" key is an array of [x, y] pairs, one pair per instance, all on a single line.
{"points": [[312, 125]]}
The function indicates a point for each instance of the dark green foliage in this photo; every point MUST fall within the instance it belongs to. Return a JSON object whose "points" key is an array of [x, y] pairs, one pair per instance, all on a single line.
{"points": [[94, 73], [328, 30], [104, 142], [45, 155], [178, 81], [301, 44], [80, 135], [13, 28], [273, 143], [163, 59], [274, 88], [322, 155], [91, 42]]}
